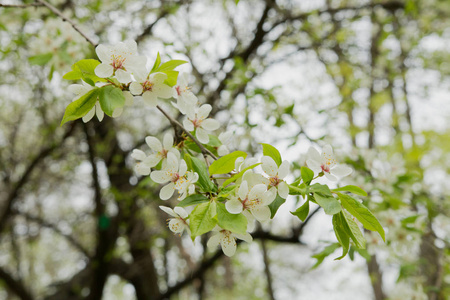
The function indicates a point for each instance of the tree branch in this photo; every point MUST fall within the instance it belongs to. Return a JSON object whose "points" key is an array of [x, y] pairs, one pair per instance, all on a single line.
{"points": [[68, 20], [15, 285]]}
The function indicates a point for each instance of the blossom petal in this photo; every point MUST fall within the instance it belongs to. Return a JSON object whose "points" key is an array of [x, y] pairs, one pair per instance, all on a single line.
{"points": [[172, 162], [181, 212], [136, 88], [168, 210], [138, 154], [243, 190], [257, 192], [142, 169], [89, 115], [163, 91], [228, 243], [269, 196], [245, 237], [204, 111], [183, 168], [269, 166], [313, 154], [202, 136], [168, 141], [129, 99], [154, 143], [131, 46], [210, 124], [176, 225], [123, 76], [99, 112], [167, 191], [341, 170], [223, 150], [328, 157], [234, 206], [104, 70], [214, 241], [103, 53], [150, 98], [330, 177], [314, 165], [261, 213], [283, 170], [160, 176], [188, 125], [78, 89], [152, 160], [283, 190]]}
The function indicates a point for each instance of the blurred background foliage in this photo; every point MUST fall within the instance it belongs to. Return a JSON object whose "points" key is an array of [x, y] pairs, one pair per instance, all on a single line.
{"points": [[369, 77]]}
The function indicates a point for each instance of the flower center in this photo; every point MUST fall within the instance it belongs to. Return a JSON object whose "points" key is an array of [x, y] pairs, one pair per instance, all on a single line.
{"points": [[178, 90], [117, 62], [175, 177], [147, 85], [197, 123], [274, 181]]}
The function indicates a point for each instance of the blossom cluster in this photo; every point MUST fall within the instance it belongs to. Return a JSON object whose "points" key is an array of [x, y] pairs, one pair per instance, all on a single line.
{"points": [[225, 195]]}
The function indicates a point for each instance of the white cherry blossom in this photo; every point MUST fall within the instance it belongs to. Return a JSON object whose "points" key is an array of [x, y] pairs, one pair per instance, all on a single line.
{"points": [[276, 175], [129, 100], [143, 167], [120, 60], [198, 120], [186, 100], [225, 138], [151, 87], [227, 240], [179, 223], [252, 202], [80, 90], [326, 163], [174, 172]]}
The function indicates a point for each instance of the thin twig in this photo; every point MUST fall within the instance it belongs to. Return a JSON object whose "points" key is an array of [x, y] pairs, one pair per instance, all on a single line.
{"points": [[175, 122], [66, 19], [21, 5]]}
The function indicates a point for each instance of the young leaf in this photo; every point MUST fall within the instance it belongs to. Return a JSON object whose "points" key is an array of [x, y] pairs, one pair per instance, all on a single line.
{"points": [[199, 167], [225, 164], [110, 98], [80, 107], [329, 204], [40, 59], [193, 200], [307, 175], [170, 65], [86, 67], [275, 205], [172, 77], [271, 151], [362, 213], [233, 222], [297, 190], [352, 229], [202, 219], [322, 255], [352, 189], [302, 212], [156, 64], [239, 175], [341, 235]]}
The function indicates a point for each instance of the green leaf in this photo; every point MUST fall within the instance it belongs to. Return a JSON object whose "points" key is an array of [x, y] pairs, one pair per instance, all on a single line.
{"points": [[275, 205], [225, 164], [172, 77], [40, 59], [199, 167], [352, 229], [110, 98], [297, 190], [170, 65], [271, 151], [325, 252], [352, 189], [307, 175], [362, 213], [233, 222], [302, 212], [202, 219], [320, 188], [224, 192], [84, 69], [239, 175], [156, 64], [193, 200], [329, 204], [341, 235], [80, 107]]}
